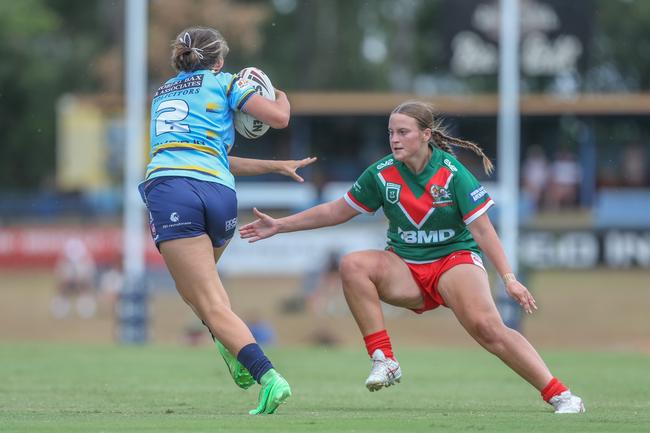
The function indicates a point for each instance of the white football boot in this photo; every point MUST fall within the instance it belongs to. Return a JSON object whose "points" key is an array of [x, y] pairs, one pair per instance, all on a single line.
{"points": [[384, 372], [567, 403]]}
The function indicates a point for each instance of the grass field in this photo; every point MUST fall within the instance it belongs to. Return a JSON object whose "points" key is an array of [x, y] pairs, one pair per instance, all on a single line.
{"points": [[71, 388]]}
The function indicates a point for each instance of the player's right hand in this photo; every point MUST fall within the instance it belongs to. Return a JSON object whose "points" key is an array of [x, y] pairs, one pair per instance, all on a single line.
{"points": [[290, 168], [520, 293], [262, 228]]}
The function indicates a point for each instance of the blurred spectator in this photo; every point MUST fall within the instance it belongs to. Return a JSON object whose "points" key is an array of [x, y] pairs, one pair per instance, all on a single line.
{"points": [[319, 180], [326, 298], [320, 296], [316, 287], [262, 330], [608, 177], [535, 174], [195, 332], [75, 273], [110, 284], [563, 184], [634, 166]]}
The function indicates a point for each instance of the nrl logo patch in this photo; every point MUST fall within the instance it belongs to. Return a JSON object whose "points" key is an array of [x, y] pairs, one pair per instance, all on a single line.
{"points": [[392, 192]]}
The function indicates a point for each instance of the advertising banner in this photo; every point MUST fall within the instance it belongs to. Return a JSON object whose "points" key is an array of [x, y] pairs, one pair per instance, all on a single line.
{"points": [[296, 253]]}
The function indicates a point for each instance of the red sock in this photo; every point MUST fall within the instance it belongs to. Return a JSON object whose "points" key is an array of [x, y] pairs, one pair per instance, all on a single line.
{"points": [[553, 388], [379, 340]]}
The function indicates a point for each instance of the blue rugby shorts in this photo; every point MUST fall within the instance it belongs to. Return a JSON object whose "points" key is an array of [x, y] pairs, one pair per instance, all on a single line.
{"points": [[182, 207]]}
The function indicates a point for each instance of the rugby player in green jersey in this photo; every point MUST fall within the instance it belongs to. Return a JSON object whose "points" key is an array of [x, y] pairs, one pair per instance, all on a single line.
{"points": [[438, 227]]}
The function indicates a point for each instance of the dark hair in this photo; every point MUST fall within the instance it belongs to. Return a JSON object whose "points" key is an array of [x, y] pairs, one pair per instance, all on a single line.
{"points": [[423, 114], [198, 48]]}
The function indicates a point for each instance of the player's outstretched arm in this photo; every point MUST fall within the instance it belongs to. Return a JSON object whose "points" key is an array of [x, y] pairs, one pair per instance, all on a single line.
{"points": [[487, 239], [323, 215], [252, 167]]}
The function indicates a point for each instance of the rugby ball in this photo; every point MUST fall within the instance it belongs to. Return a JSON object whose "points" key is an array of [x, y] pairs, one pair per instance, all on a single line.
{"points": [[245, 124]]}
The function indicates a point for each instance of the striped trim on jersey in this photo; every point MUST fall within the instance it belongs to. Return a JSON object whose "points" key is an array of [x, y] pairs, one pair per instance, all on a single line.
{"points": [[357, 205], [229, 88], [244, 98], [185, 146], [201, 170], [477, 211]]}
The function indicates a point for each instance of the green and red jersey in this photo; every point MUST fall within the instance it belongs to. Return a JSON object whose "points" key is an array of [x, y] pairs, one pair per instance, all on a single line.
{"points": [[428, 213]]}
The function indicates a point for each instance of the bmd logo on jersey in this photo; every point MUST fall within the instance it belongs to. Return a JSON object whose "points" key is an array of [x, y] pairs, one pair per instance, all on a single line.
{"points": [[425, 236], [392, 192], [174, 217]]}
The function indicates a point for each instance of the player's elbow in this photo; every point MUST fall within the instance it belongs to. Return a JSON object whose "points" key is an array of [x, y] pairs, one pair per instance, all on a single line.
{"points": [[279, 120]]}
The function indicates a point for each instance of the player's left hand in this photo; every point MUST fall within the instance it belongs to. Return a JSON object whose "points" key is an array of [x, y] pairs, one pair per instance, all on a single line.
{"points": [[262, 228], [520, 293], [290, 168]]}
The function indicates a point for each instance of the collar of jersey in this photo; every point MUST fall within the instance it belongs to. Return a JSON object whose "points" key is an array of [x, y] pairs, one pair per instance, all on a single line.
{"points": [[183, 74], [416, 182]]}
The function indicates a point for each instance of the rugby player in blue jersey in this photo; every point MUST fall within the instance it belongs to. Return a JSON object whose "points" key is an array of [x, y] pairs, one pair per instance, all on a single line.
{"points": [[189, 190]]}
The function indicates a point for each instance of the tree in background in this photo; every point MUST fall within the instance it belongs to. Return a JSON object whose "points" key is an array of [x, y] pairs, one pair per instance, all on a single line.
{"points": [[240, 23], [621, 47], [54, 47], [49, 48]]}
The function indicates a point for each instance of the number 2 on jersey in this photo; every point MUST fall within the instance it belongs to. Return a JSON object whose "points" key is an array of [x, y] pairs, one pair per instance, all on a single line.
{"points": [[170, 114]]}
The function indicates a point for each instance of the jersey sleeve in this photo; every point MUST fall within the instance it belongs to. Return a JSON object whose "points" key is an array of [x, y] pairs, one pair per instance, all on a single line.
{"points": [[473, 199], [238, 92], [365, 196]]}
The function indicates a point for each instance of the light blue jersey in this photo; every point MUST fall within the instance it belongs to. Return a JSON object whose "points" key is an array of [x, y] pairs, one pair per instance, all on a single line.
{"points": [[192, 125]]}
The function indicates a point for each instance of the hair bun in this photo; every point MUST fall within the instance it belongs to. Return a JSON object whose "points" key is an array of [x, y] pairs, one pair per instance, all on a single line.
{"points": [[198, 48]]}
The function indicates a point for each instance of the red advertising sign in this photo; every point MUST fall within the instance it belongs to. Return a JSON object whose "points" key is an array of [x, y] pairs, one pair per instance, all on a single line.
{"points": [[42, 246]]}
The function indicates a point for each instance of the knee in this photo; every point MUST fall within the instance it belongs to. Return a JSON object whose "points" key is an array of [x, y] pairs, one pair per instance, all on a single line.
{"points": [[206, 304], [489, 332], [352, 265]]}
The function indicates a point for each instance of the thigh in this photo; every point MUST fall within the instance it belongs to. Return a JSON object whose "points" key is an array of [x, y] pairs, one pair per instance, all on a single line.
{"points": [[218, 252], [390, 275], [191, 262], [466, 291]]}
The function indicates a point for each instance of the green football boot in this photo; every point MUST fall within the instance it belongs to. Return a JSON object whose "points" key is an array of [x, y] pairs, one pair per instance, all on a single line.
{"points": [[239, 373], [275, 391]]}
